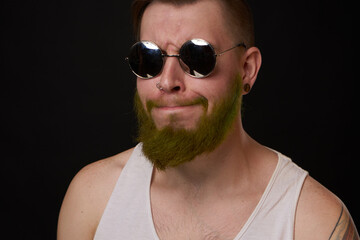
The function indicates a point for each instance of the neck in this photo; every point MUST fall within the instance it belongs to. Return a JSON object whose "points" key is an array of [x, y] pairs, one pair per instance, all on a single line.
{"points": [[224, 168]]}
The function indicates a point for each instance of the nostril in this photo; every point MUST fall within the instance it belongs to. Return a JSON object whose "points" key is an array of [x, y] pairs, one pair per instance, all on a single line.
{"points": [[177, 88]]}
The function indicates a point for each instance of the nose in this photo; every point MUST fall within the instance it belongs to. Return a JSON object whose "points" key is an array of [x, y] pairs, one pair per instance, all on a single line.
{"points": [[172, 76]]}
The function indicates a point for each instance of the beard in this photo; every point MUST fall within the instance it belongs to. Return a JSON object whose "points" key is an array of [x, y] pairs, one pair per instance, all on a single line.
{"points": [[171, 147]]}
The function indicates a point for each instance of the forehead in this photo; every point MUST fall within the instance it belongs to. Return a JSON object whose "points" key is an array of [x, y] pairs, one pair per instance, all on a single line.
{"points": [[168, 24]]}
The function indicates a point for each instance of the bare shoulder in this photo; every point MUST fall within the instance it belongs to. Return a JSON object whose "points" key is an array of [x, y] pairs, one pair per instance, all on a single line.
{"points": [[321, 215], [87, 196]]}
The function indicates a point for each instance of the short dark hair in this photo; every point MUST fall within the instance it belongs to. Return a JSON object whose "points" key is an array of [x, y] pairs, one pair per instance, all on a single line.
{"points": [[238, 14]]}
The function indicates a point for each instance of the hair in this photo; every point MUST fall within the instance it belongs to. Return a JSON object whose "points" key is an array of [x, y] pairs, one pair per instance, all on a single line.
{"points": [[237, 12]]}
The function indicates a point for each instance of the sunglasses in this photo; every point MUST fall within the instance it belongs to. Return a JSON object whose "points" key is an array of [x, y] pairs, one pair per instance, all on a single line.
{"points": [[197, 58]]}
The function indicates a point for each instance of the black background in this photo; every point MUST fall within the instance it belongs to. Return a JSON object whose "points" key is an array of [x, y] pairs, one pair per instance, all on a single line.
{"points": [[67, 97]]}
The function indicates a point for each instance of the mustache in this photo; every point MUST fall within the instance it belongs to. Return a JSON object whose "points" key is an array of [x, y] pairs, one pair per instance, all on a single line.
{"points": [[150, 104]]}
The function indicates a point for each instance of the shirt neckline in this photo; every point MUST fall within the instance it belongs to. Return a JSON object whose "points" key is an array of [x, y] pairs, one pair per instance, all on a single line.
{"points": [[248, 221]]}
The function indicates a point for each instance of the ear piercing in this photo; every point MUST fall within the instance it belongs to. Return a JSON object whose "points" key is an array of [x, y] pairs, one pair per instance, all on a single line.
{"points": [[247, 87]]}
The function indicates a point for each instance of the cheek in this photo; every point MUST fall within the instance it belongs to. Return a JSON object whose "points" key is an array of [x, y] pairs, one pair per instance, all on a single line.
{"points": [[146, 89], [215, 91]]}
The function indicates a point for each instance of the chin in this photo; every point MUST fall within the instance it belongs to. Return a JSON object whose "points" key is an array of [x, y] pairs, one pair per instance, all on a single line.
{"points": [[186, 124]]}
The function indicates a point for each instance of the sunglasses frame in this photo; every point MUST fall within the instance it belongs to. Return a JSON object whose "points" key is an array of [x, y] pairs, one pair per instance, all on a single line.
{"points": [[178, 56]]}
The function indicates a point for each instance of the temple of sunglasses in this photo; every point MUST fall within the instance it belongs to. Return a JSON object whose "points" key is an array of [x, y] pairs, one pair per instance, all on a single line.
{"points": [[197, 58]]}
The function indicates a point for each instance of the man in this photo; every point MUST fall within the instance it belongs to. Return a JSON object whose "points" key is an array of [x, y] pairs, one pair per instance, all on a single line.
{"points": [[196, 173]]}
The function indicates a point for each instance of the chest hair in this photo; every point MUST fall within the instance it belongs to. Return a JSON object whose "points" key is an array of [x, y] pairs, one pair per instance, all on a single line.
{"points": [[197, 222]]}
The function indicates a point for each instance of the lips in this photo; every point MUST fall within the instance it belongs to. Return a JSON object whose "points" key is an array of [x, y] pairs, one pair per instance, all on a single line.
{"points": [[174, 108], [177, 104]]}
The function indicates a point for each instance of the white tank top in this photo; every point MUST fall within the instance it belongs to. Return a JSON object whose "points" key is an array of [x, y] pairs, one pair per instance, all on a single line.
{"points": [[128, 213]]}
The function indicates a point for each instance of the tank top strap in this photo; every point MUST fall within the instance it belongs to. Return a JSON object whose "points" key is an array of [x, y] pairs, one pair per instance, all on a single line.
{"points": [[128, 212], [274, 216]]}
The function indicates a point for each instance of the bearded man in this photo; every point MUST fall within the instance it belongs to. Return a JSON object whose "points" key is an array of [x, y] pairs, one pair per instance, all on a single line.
{"points": [[196, 174]]}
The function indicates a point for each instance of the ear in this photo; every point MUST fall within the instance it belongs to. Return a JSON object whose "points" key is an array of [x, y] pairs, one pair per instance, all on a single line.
{"points": [[251, 63]]}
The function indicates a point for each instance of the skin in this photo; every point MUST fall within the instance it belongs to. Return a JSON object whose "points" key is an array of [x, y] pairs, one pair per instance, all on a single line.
{"points": [[237, 171], [345, 228], [173, 145]]}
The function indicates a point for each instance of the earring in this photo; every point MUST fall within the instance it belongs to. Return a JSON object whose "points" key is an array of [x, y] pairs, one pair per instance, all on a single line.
{"points": [[247, 87]]}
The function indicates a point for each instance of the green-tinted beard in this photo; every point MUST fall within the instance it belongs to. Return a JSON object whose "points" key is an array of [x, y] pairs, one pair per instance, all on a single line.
{"points": [[169, 147]]}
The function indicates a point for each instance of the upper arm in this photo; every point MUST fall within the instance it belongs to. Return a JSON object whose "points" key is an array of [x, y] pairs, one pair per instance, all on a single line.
{"points": [[80, 209], [345, 227], [321, 215], [75, 218], [87, 196]]}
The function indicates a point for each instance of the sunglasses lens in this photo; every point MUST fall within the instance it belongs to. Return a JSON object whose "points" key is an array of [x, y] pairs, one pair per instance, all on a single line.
{"points": [[197, 58], [145, 59]]}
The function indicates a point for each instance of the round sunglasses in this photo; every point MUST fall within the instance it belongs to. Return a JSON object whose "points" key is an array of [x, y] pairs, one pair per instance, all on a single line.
{"points": [[197, 58]]}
